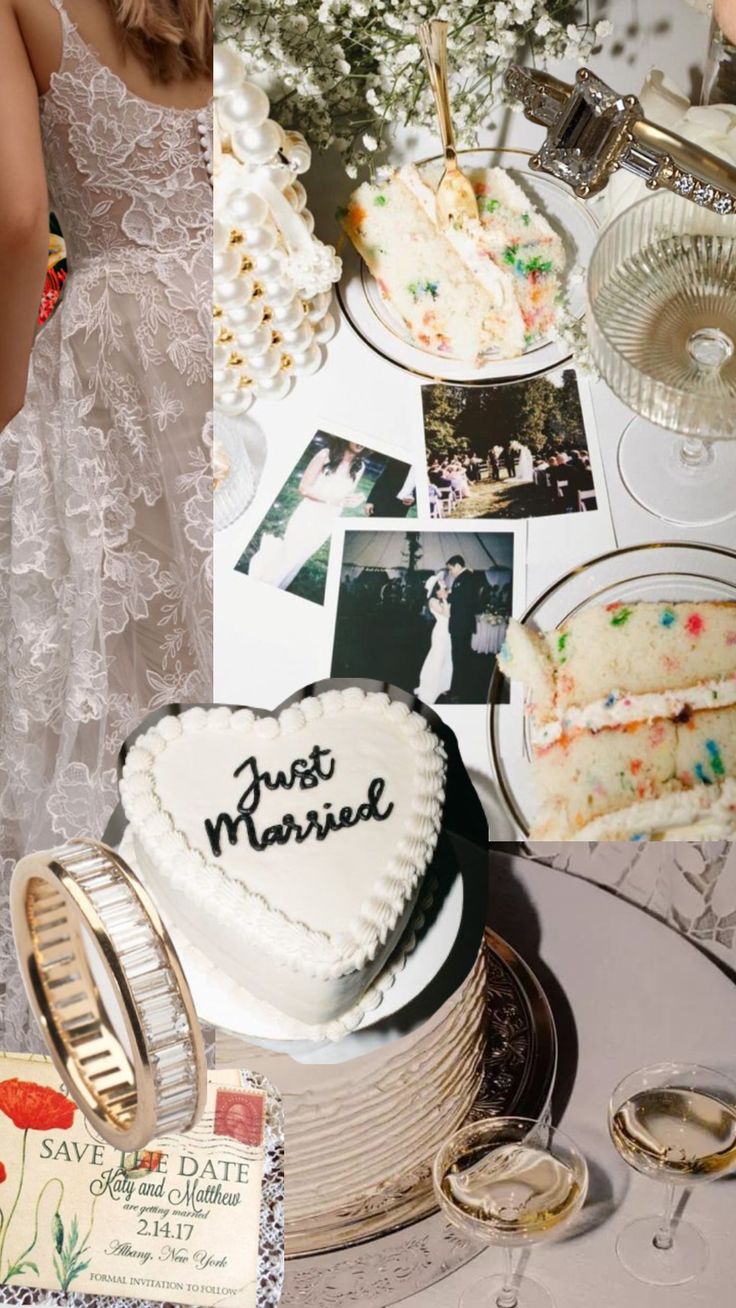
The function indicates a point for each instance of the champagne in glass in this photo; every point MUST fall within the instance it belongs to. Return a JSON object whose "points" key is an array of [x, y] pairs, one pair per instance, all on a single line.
{"points": [[676, 1124], [662, 330], [510, 1182]]}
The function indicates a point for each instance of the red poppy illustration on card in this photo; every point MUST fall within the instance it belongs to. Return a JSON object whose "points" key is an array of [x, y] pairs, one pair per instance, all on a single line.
{"points": [[239, 1113], [34, 1107]]}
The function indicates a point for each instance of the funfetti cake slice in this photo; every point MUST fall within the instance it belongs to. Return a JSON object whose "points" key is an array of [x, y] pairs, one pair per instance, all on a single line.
{"points": [[620, 663], [291, 848], [452, 297], [586, 776], [646, 779], [633, 719]]}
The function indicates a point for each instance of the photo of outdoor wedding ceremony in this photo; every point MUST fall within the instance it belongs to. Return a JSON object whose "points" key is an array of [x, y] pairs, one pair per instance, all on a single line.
{"points": [[425, 610], [517, 450], [335, 477]]}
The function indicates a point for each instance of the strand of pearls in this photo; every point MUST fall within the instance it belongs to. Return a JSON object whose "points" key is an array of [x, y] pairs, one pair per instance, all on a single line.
{"points": [[272, 276]]}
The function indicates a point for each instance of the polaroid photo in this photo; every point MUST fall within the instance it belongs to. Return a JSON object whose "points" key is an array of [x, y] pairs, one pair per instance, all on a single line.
{"points": [[523, 449], [338, 475], [425, 609]]}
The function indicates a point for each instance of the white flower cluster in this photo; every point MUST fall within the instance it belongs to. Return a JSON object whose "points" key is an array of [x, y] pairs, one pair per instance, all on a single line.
{"points": [[348, 71]]}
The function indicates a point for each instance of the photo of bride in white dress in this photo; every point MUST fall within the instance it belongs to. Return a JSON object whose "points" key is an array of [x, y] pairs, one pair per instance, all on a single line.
{"points": [[328, 486], [335, 477], [436, 676], [105, 476]]}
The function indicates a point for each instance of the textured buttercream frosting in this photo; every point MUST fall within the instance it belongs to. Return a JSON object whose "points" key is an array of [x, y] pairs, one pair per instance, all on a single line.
{"points": [[362, 1132], [294, 846]]}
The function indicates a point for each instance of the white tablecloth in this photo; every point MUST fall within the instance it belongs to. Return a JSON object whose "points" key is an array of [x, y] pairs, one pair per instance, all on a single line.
{"points": [[626, 991], [488, 637], [269, 643]]}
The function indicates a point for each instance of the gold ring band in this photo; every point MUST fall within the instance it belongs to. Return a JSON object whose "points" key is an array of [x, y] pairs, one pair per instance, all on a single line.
{"points": [[150, 1076]]}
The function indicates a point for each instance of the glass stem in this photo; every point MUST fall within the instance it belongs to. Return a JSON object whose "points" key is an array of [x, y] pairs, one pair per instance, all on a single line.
{"points": [[695, 453], [664, 1238], [507, 1296]]}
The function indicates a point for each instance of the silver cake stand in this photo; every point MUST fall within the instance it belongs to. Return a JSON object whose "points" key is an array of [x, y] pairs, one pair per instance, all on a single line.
{"points": [[399, 1243]]}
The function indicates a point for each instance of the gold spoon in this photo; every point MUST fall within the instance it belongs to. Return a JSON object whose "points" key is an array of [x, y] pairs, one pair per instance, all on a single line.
{"points": [[456, 200]]}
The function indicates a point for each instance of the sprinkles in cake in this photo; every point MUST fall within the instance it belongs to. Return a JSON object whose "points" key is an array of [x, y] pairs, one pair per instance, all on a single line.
{"points": [[644, 712], [480, 288]]}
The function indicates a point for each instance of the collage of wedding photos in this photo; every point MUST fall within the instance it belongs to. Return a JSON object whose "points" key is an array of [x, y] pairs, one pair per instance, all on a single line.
{"points": [[367, 654]]}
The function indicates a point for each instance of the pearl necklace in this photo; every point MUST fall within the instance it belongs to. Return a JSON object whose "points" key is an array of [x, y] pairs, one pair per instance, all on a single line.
{"points": [[273, 277]]}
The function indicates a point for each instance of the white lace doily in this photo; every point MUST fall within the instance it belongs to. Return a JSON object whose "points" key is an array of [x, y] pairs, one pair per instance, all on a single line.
{"points": [[690, 885]]}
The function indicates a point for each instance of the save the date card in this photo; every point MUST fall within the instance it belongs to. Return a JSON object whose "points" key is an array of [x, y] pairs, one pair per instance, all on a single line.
{"points": [[176, 1222]]}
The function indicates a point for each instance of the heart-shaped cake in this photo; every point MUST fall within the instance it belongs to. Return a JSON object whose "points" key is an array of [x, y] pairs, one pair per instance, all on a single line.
{"points": [[292, 847]]}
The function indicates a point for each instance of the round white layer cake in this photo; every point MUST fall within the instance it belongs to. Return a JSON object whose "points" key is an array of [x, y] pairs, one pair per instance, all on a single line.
{"points": [[360, 1132]]}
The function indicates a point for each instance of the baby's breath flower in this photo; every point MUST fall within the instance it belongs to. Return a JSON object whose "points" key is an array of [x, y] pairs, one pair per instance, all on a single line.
{"points": [[347, 72]]}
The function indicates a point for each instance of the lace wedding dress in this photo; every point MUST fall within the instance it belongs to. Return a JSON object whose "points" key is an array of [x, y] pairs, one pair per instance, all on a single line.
{"points": [[105, 484]]}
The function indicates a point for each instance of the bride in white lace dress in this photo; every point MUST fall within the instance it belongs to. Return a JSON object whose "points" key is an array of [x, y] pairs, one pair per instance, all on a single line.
{"points": [[105, 484]]}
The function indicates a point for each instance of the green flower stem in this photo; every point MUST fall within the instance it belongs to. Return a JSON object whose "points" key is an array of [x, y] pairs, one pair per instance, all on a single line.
{"points": [[91, 1222], [11, 1214], [51, 1181]]}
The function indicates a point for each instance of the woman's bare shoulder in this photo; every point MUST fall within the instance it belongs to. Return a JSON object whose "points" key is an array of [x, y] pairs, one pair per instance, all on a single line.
{"points": [[40, 28]]}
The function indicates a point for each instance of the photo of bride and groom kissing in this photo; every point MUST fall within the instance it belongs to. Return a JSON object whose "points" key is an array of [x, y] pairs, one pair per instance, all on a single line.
{"points": [[453, 603], [425, 610]]}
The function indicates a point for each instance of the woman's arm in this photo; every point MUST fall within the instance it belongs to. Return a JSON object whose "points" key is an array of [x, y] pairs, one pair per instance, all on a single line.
{"points": [[310, 475], [24, 215]]}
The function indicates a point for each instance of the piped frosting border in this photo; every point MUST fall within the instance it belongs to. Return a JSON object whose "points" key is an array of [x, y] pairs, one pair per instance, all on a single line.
{"points": [[187, 869]]}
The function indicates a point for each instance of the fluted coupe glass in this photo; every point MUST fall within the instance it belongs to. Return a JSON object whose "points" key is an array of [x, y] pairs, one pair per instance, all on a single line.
{"points": [[662, 331], [675, 1123], [511, 1182]]}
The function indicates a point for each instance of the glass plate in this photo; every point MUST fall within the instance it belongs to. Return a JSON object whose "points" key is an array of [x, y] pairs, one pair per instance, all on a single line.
{"points": [[640, 572], [386, 334]]}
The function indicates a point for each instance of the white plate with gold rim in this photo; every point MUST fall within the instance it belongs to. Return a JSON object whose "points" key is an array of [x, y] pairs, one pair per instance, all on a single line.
{"points": [[383, 331]]}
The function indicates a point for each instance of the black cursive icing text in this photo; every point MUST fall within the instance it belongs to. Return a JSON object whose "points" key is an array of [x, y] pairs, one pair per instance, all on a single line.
{"points": [[304, 774]]}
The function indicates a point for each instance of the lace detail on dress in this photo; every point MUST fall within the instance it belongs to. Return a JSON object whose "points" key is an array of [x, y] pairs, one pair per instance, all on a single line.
{"points": [[141, 168], [105, 484]]}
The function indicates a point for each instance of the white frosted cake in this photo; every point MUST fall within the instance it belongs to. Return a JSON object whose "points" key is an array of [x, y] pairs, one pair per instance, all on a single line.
{"points": [[482, 287], [294, 860], [292, 848], [632, 720], [362, 1132]]}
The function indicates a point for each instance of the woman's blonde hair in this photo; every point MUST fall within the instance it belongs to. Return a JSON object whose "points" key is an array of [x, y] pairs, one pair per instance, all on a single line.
{"points": [[172, 38]]}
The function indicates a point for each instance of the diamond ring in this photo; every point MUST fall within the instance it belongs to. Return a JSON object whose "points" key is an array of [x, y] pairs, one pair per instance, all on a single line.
{"points": [[593, 131], [91, 944]]}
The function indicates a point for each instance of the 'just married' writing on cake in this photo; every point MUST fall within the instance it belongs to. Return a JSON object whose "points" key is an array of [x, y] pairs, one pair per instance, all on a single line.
{"points": [[304, 774]]}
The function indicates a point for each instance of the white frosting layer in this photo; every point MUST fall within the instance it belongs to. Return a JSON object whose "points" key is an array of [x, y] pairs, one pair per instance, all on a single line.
{"points": [[702, 813], [618, 710], [305, 925], [359, 1133], [469, 242]]}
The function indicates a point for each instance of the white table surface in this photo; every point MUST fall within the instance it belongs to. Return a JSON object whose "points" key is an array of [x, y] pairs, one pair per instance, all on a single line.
{"points": [[640, 993], [269, 643]]}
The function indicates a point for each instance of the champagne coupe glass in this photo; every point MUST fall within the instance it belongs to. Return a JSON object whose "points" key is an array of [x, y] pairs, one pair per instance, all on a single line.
{"points": [[509, 1181], [675, 1123], [662, 331]]}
